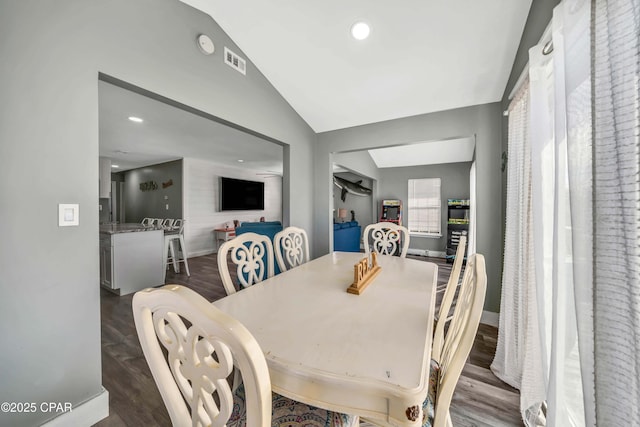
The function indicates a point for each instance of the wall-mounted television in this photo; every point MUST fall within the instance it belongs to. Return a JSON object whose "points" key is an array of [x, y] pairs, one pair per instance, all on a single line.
{"points": [[241, 195]]}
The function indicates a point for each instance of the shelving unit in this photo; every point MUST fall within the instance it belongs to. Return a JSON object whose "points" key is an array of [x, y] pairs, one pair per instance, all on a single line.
{"points": [[457, 225]]}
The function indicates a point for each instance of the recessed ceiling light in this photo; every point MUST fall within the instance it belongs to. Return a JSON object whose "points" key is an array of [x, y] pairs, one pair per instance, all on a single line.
{"points": [[136, 119], [240, 160], [360, 30], [115, 166]]}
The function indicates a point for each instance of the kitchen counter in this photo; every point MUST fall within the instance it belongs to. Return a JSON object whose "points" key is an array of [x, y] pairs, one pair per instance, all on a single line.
{"points": [[130, 261], [126, 228]]}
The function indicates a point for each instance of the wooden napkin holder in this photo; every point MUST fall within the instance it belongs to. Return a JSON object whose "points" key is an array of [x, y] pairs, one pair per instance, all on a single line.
{"points": [[363, 274]]}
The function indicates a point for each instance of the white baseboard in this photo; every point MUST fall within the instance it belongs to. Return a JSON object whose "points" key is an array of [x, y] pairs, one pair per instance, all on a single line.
{"points": [[85, 414], [200, 253], [490, 318], [426, 252]]}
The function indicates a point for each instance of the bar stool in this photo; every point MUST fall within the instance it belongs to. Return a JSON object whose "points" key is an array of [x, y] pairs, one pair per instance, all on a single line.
{"points": [[170, 238]]}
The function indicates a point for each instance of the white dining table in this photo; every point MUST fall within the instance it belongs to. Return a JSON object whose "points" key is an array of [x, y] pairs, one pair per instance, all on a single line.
{"points": [[365, 355]]}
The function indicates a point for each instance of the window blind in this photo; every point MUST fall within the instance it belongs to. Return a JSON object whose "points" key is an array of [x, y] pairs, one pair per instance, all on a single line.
{"points": [[424, 206]]}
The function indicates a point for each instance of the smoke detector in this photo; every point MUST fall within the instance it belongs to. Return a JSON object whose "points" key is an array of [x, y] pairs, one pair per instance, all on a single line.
{"points": [[205, 44]]}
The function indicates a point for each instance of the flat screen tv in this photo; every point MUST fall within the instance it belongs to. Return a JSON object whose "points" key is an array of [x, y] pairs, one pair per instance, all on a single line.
{"points": [[241, 195]]}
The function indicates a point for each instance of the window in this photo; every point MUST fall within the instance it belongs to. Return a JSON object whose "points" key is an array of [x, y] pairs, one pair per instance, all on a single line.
{"points": [[424, 207]]}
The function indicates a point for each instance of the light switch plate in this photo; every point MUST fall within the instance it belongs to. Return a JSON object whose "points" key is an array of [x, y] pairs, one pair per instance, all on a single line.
{"points": [[68, 215]]}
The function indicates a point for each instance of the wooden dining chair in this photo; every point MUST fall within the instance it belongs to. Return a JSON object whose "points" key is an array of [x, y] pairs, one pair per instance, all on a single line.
{"points": [[252, 254], [446, 369], [291, 247], [192, 347], [442, 317], [386, 238]]}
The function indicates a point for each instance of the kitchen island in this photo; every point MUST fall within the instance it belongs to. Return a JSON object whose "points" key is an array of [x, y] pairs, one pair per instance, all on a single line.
{"points": [[130, 257]]}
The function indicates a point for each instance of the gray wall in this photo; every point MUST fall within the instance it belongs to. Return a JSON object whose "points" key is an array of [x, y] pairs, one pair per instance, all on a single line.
{"points": [[454, 185], [51, 55], [483, 121], [140, 204]]}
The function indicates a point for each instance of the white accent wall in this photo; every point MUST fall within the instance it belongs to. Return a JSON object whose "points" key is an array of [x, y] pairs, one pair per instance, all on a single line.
{"points": [[201, 202]]}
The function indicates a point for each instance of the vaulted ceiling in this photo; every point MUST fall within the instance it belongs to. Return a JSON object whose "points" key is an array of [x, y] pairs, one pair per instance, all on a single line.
{"points": [[421, 56]]}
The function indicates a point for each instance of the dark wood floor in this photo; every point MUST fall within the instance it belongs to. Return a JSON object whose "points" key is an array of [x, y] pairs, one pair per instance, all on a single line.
{"points": [[480, 399]]}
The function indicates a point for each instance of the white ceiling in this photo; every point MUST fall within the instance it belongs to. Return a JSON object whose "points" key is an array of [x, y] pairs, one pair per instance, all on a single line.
{"points": [[421, 56], [169, 133]]}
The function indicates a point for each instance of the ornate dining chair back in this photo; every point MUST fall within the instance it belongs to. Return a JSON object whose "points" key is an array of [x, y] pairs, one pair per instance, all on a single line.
{"points": [[386, 238], [291, 247], [442, 317], [167, 223], [147, 221], [201, 344], [459, 339], [253, 256]]}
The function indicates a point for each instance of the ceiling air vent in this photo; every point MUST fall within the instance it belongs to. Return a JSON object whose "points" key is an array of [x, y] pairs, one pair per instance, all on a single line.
{"points": [[234, 61]]}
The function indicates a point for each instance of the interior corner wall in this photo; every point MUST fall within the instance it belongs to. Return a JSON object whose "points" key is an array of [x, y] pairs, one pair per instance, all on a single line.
{"points": [[52, 55], [454, 184], [360, 205], [482, 121], [147, 193], [361, 166], [202, 203], [359, 162]]}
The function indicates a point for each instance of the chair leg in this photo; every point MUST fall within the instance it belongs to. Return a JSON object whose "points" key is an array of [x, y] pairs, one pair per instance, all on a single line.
{"points": [[176, 264], [164, 259], [183, 249]]}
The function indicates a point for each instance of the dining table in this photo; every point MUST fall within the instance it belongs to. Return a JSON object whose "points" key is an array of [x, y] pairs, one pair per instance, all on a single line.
{"points": [[365, 355]]}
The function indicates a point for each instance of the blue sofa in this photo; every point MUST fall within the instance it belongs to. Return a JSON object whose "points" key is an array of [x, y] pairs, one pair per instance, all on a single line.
{"points": [[267, 228], [346, 236]]}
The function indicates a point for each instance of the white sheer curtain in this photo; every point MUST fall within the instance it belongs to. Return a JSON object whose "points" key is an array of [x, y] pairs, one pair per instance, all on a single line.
{"points": [[518, 354], [555, 320], [616, 68], [561, 147], [581, 301]]}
